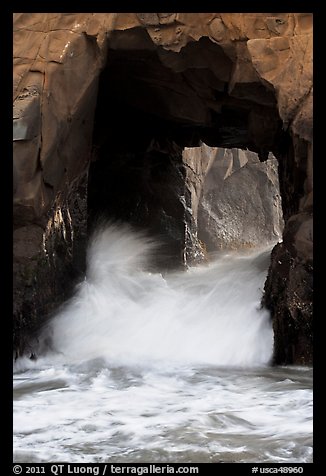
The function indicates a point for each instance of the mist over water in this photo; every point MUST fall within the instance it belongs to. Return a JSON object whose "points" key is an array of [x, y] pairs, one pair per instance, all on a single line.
{"points": [[169, 367], [208, 315]]}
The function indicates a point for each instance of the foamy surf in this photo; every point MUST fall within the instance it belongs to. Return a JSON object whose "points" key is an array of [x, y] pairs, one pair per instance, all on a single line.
{"points": [[123, 313], [145, 367]]}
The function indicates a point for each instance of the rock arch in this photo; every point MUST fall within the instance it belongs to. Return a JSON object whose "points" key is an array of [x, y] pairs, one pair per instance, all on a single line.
{"points": [[147, 85]]}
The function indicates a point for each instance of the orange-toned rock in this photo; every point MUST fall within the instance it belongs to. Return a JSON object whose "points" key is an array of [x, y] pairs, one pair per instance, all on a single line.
{"points": [[232, 80]]}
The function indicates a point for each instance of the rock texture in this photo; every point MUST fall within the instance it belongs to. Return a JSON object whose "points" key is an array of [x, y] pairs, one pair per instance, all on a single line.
{"points": [[229, 80], [235, 198]]}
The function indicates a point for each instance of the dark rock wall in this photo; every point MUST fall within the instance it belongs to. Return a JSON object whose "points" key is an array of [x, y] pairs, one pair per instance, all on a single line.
{"points": [[289, 286], [289, 296], [144, 190], [48, 261]]}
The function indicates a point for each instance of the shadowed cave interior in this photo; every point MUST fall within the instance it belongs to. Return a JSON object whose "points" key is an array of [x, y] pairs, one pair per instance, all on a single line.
{"points": [[147, 113]]}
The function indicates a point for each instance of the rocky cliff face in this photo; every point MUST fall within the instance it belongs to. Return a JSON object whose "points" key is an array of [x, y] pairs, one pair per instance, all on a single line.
{"points": [[90, 86], [235, 198]]}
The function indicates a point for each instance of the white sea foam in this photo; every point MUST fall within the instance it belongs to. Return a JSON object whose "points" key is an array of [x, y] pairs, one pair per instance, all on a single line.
{"points": [[123, 313], [152, 368]]}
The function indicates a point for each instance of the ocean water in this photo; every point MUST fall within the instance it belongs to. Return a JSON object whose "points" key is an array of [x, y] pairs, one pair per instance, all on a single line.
{"points": [[142, 366]]}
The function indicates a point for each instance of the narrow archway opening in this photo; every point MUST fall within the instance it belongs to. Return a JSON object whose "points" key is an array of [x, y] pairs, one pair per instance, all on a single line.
{"points": [[152, 106]]}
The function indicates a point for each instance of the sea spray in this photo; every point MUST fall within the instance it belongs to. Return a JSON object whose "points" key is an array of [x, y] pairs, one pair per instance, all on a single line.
{"points": [[124, 313], [155, 368]]}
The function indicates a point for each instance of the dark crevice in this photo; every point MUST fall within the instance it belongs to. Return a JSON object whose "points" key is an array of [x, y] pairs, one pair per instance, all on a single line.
{"points": [[162, 97]]}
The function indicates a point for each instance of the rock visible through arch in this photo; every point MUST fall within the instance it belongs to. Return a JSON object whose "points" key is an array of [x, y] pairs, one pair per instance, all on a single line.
{"points": [[173, 80]]}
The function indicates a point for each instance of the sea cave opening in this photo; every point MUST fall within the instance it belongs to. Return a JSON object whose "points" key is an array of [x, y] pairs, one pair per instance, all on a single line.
{"points": [[183, 144], [173, 138]]}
